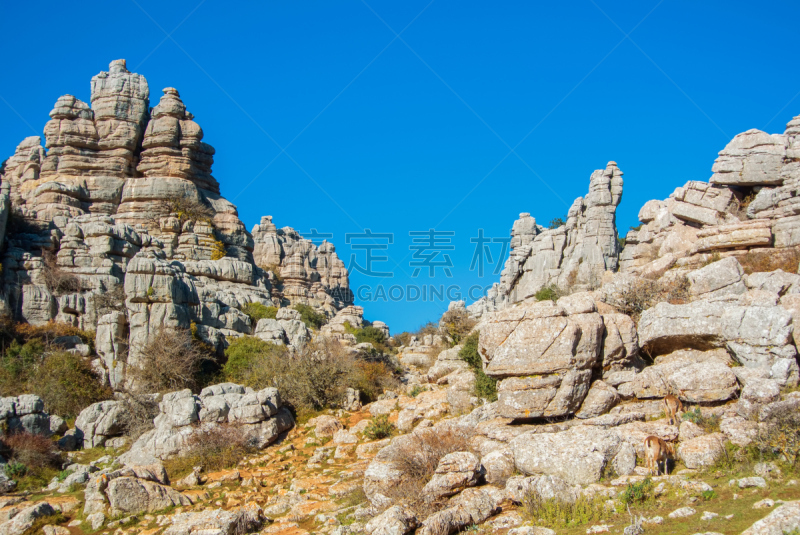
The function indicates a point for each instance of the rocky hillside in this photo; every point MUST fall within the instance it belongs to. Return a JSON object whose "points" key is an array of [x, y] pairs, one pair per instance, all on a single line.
{"points": [[646, 384]]}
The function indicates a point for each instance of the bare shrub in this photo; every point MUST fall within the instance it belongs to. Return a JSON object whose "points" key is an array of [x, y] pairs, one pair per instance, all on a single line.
{"points": [[641, 294], [110, 300], [456, 324], [32, 450], [137, 414], [417, 455], [780, 436], [55, 278], [170, 360], [185, 208], [216, 447]]}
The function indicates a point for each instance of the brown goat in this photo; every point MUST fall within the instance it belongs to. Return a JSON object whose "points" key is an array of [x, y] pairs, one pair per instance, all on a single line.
{"points": [[673, 406], [657, 451]]}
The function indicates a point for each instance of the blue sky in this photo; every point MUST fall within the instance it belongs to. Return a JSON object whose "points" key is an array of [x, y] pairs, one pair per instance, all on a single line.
{"points": [[323, 118]]}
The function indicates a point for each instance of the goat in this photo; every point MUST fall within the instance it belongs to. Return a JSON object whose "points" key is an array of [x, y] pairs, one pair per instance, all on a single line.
{"points": [[673, 406], [657, 451]]}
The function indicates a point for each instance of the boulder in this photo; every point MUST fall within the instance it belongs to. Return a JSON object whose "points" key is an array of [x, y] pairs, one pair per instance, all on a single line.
{"points": [[24, 520], [131, 495], [783, 519], [702, 451], [100, 421], [579, 455], [247, 519], [720, 278], [600, 399], [393, 521], [455, 472], [545, 355], [471, 507]]}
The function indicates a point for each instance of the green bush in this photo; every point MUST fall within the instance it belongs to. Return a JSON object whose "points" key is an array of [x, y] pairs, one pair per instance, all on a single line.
{"points": [[485, 386], [66, 382], [555, 223], [313, 378], [549, 293], [554, 513], [379, 427], [309, 316], [372, 335], [259, 311], [637, 493], [248, 361]]}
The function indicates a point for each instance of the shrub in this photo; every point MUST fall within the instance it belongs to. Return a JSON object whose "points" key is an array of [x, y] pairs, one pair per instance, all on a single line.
{"points": [[456, 324], [217, 448], [372, 335], [55, 278], [218, 250], [249, 361], [309, 316], [485, 386], [372, 378], [311, 379], [641, 294], [137, 414], [416, 391], [555, 223], [549, 293], [781, 435], [259, 311], [710, 424], [379, 427], [47, 332], [170, 360], [33, 459], [419, 454], [637, 493], [185, 208], [32, 450], [554, 513], [67, 384], [110, 300]]}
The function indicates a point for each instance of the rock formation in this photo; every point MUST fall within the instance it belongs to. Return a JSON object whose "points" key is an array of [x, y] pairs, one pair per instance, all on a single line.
{"points": [[575, 254], [121, 201]]}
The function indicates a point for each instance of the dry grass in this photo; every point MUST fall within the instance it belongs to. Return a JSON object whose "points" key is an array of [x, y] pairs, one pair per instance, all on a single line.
{"points": [[213, 448], [554, 513], [170, 360], [763, 261]]}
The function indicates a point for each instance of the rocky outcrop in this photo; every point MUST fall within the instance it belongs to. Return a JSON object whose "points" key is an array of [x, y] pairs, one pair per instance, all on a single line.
{"points": [[574, 255], [121, 201], [259, 415], [26, 413], [543, 354]]}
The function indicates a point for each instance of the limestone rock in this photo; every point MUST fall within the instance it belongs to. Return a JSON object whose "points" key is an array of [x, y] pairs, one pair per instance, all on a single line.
{"points": [[702, 451], [578, 455], [393, 521], [783, 519], [455, 472], [600, 399]]}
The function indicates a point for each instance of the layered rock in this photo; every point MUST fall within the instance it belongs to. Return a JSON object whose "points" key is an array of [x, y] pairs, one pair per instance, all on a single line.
{"points": [[121, 202], [574, 255], [544, 355]]}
